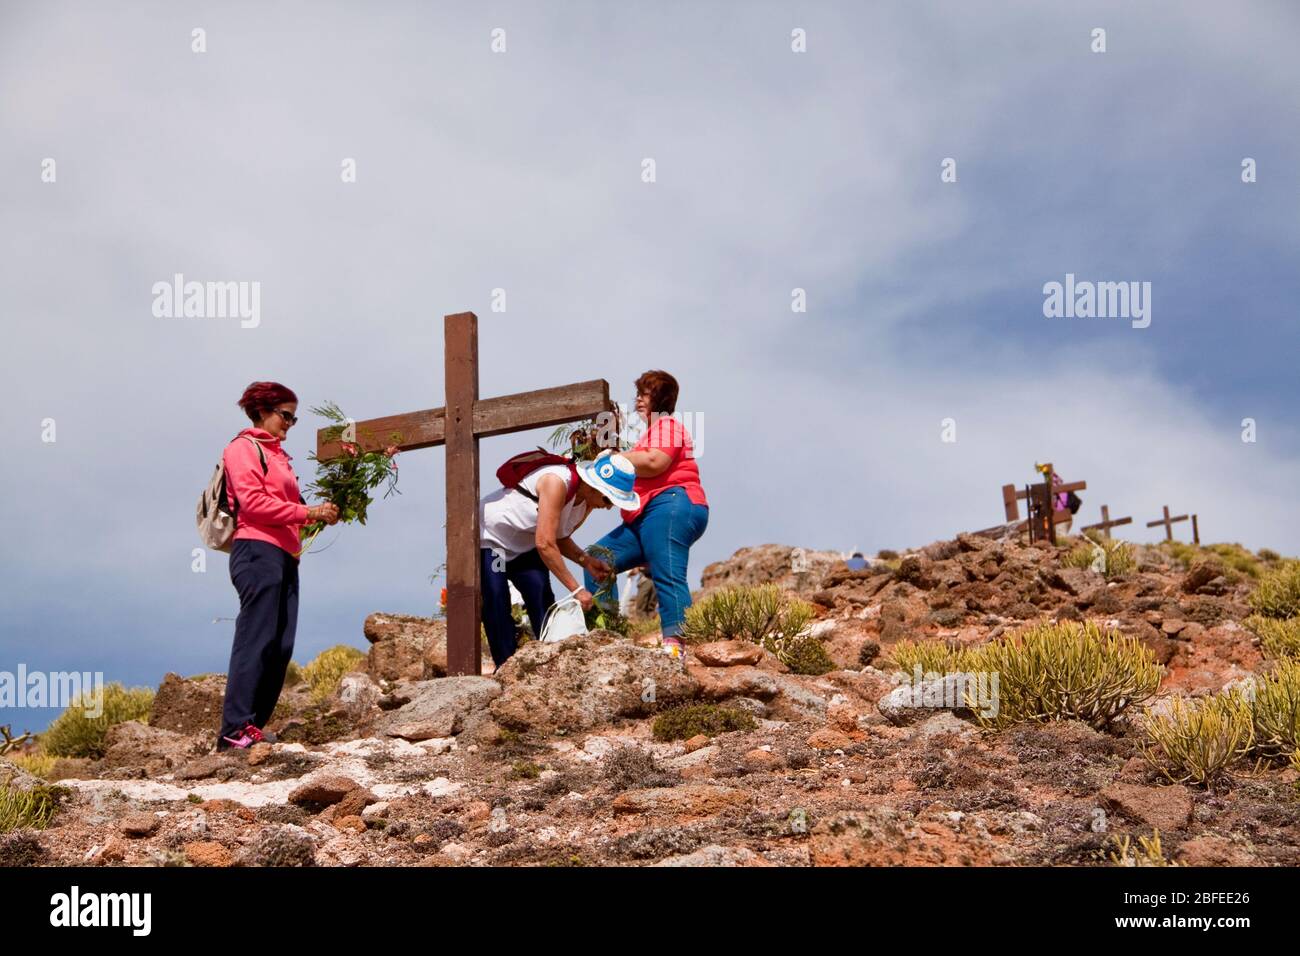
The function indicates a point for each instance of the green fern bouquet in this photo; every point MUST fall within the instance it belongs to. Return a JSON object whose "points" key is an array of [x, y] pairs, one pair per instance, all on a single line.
{"points": [[348, 479]]}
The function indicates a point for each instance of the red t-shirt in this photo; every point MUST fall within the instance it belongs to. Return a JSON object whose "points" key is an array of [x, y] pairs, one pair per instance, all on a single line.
{"points": [[670, 436]]}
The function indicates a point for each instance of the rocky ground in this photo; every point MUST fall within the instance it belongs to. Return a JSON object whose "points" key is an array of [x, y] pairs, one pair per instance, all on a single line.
{"points": [[553, 761]]}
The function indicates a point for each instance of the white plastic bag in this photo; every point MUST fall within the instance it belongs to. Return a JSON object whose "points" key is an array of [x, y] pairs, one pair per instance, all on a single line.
{"points": [[564, 619]]}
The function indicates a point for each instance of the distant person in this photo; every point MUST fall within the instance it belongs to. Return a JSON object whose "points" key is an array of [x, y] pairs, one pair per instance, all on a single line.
{"points": [[856, 561], [261, 485], [1066, 501], [673, 511]]}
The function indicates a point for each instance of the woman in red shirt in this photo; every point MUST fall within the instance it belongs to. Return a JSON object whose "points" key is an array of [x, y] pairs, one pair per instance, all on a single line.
{"points": [[673, 512], [263, 561]]}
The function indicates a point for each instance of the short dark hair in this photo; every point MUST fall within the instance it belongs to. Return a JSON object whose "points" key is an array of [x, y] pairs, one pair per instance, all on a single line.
{"points": [[662, 389], [261, 397]]}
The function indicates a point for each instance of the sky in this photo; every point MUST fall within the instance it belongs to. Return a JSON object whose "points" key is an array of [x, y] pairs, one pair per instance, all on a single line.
{"points": [[524, 169]]}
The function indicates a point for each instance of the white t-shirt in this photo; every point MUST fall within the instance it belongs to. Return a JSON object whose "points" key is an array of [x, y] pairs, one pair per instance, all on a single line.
{"points": [[508, 520]]}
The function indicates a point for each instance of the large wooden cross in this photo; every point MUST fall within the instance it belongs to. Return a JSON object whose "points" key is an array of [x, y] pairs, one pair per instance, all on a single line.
{"points": [[459, 425]]}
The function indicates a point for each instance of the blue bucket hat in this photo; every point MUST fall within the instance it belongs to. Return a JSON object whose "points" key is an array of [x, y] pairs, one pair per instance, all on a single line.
{"points": [[613, 476]]}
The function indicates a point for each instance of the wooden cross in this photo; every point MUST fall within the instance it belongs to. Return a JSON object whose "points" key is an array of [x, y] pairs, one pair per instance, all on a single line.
{"points": [[1168, 522], [459, 425], [1043, 518], [1105, 524]]}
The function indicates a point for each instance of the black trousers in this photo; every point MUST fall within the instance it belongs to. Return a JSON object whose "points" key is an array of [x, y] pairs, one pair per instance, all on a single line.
{"points": [[266, 578]]}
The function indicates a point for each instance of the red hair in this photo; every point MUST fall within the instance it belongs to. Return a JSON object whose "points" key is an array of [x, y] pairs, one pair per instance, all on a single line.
{"points": [[261, 397], [662, 389]]}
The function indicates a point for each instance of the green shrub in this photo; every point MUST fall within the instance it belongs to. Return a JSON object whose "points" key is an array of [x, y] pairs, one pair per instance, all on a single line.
{"points": [[933, 657], [37, 762], [1237, 558], [293, 675], [1277, 710], [745, 613], [1147, 852], [1118, 555], [803, 654], [1278, 638], [1278, 592], [74, 734], [1080, 557], [1184, 554], [28, 809], [1268, 555], [1197, 741], [690, 720], [1065, 671], [326, 671]]}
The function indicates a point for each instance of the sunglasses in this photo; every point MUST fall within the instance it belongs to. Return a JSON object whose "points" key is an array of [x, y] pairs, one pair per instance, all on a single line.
{"points": [[289, 417]]}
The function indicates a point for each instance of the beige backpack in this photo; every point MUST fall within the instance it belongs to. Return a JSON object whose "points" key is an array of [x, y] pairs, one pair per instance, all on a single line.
{"points": [[215, 519]]}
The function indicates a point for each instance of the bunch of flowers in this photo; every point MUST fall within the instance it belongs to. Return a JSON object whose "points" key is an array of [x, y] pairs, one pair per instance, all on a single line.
{"points": [[348, 479]]}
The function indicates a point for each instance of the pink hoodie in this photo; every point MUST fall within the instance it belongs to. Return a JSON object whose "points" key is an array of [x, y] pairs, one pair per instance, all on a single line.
{"points": [[270, 506]]}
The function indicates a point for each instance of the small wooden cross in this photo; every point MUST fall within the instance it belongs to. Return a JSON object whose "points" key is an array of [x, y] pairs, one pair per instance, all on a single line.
{"points": [[1168, 522], [459, 425], [1105, 524]]}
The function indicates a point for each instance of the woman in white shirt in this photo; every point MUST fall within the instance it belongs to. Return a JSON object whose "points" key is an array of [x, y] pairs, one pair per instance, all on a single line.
{"points": [[526, 532]]}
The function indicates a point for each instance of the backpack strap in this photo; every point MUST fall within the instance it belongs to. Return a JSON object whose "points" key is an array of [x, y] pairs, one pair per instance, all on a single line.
{"points": [[233, 501], [570, 492], [261, 456]]}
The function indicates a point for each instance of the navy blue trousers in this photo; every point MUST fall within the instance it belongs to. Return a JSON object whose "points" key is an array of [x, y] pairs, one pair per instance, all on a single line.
{"points": [[266, 578], [532, 577]]}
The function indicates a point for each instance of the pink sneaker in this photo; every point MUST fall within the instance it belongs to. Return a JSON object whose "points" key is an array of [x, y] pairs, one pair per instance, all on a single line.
{"points": [[248, 736], [240, 741]]}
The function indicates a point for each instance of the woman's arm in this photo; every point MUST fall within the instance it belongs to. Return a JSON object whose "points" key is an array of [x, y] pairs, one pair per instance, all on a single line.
{"points": [[649, 462], [550, 502]]}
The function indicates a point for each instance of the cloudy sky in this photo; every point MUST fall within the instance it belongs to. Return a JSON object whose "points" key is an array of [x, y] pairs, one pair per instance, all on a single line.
{"points": [[522, 170]]}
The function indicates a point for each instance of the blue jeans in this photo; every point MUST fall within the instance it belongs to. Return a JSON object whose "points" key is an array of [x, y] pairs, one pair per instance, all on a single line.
{"points": [[661, 539], [532, 577]]}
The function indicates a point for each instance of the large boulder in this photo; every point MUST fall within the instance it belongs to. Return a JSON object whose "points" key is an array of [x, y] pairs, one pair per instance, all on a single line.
{"points": [[586, 682], [441, 707], [909, 703], [154, 750], [405, 647], [1163, 808], [189, 705], [792, 569], [14, 777]]}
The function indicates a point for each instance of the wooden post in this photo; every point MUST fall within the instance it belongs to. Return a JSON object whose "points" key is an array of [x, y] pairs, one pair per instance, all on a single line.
{"points": [[464, 653], [1196, 532], [1009, 497]]}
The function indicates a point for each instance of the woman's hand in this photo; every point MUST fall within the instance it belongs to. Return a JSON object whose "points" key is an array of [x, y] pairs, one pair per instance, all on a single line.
{"points": [[585, 599], [598, 568], [328, 513]]}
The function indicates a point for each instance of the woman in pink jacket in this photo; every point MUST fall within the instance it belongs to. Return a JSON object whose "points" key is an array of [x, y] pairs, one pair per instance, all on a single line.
{"points": [[263, 561]]}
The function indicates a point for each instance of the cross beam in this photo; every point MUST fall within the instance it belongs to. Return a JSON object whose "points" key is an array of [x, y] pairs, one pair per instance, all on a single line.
{"points": [[1168, 522], [1105, 524], [459, 425]]}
